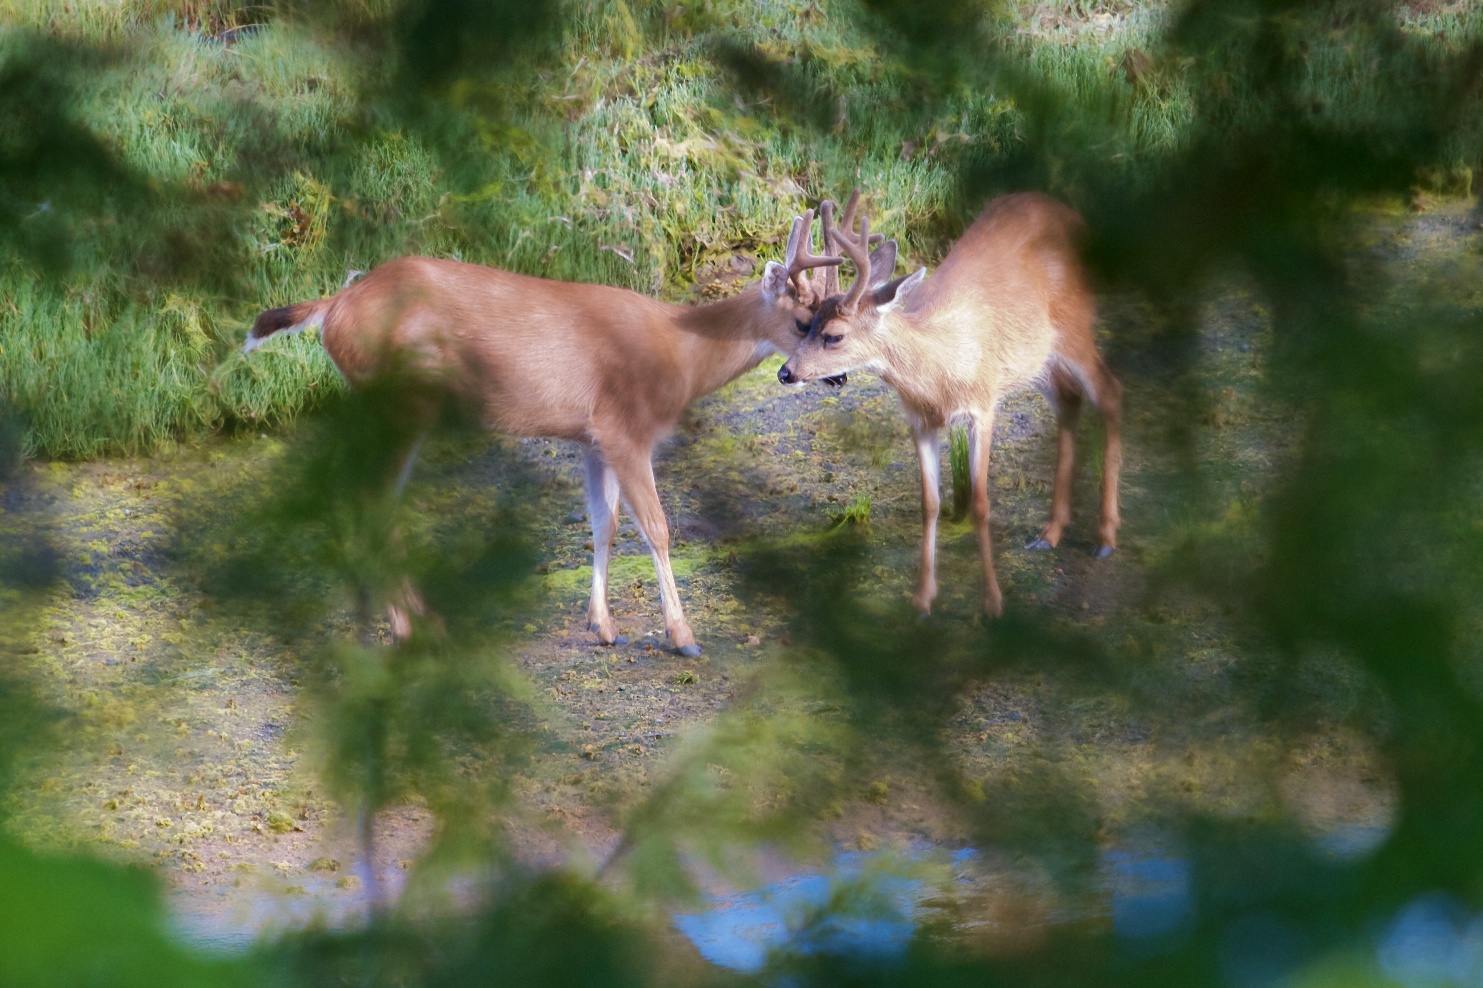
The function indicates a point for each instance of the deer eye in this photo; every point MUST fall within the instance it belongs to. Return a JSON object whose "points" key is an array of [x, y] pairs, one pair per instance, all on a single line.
{"points": [[801, 326], [831, 339]]}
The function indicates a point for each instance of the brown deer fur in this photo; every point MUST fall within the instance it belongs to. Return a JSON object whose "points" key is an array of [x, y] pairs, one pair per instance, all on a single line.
{"points": [[1010, 307], [605, 367]]}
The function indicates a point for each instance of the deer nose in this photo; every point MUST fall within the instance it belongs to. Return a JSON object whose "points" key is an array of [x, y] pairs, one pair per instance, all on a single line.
{"points": [[785, 375]]}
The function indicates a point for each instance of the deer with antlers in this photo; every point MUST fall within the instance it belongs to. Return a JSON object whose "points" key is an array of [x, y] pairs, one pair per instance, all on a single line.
{"points": [[1011, 306], [605, 367]]}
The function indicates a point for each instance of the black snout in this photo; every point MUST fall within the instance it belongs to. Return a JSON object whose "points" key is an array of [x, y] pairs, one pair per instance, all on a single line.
{"points": [[785, 376]]}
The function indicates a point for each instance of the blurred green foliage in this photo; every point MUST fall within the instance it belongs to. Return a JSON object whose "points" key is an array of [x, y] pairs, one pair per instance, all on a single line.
{"points": [[80, 922], [327, 535]]}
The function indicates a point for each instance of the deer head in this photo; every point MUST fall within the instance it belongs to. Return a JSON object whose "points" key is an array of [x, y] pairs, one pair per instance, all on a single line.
{"points": [[847, 329], [796, 293], [789, 290]]}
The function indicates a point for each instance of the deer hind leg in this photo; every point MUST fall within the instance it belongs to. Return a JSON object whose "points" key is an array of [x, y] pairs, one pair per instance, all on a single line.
{"points": [[405, 601], [1108, 398], [635, 474], [929, 455], [409, 460], [602, 509], [1064, 395], [1104, 390], [980, 438]]}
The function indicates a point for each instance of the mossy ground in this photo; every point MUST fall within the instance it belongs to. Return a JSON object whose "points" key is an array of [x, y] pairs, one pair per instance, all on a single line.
{"points": [[189, 732]]}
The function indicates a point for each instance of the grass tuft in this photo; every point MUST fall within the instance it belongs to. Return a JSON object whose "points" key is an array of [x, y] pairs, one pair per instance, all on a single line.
{"points": [[957, 442], [855, 513]]}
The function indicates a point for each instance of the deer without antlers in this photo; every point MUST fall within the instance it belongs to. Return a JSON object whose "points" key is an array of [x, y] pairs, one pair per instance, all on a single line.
{"points": [[605, 367], [1010, 306]]}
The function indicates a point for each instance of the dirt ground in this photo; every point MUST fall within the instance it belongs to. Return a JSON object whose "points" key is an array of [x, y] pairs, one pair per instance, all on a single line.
{"points": [[188, 747]]}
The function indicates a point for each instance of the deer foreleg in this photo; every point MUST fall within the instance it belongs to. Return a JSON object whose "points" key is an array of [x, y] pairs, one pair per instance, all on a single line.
{"points": [[980, 438], [929, 455], [636, 477], [602, 509]]}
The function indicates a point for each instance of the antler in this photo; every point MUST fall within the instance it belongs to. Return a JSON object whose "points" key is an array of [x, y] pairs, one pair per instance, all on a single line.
{"points": [[800, 256], [858, 250], [849, 220], [839, 236]]}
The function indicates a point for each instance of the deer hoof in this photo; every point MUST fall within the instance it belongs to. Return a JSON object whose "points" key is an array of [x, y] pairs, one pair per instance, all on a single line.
{"points": [[1039, 545], [690, 651], [607, 632], [1103, 551]]}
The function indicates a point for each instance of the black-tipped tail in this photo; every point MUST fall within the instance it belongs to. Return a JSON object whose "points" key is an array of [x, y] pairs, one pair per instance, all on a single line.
{"points": [[293, 317]]}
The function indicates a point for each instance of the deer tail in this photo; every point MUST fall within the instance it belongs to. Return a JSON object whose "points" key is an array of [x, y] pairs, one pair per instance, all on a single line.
{"points": [[288, 319]]}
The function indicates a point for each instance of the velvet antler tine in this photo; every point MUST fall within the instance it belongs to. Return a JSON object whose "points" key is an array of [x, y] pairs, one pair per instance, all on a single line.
{"points": [[859, 252], [792, 250], [855, 250], [802, 256]]}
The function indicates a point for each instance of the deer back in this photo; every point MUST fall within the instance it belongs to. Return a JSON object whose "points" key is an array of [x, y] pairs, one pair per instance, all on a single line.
{"points": [[535, 357], [1012, 292]]}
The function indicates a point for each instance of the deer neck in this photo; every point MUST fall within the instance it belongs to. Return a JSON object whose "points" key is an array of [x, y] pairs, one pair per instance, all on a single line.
{"points": [[916, 364], [723, 340]]}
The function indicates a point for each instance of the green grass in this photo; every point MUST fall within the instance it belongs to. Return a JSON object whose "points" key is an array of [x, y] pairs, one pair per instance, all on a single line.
{"points": [[622, 571], [957, 441], [258, 173], [855, 512]]}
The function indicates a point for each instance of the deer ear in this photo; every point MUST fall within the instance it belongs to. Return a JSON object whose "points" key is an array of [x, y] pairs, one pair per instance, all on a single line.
{"points": [[774, 280], [882, 263], [893, 294]]}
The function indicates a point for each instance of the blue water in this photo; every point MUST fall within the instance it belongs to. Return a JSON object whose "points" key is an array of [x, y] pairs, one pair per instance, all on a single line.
{"points": [[1150, 893], [863, 907], [851, 910], [810, 912], [1433, 940]]}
